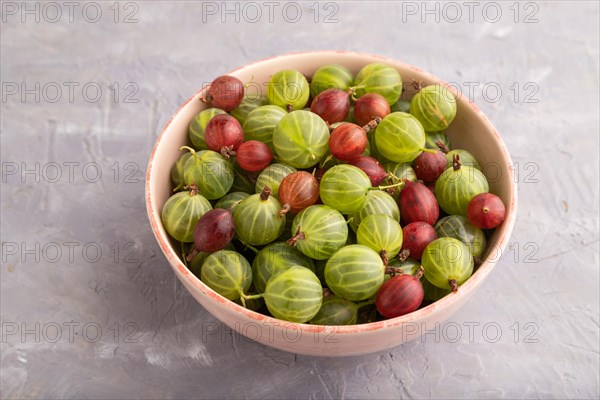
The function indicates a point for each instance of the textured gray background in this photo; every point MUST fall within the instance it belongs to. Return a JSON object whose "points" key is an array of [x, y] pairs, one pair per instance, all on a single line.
{"points": [[136, 333]]}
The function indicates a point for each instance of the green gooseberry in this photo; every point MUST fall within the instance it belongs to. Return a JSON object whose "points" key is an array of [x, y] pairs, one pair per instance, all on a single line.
{"points": [[256, 219], [181, 212], [227, 273], [288, 89], [261, 123], [275, 258], [455, 188], [434, 106], [400, 137], [330, 77], [319, 231], [301, 138], [355, 272], [448, 263], [379, 78], [210, 172]]}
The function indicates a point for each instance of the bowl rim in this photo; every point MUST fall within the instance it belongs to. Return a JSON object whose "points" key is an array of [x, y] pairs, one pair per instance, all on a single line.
{"points": [[471, 284]]}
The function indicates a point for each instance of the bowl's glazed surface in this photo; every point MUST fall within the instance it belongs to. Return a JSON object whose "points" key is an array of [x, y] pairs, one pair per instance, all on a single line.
{"points": [[470, 130]]}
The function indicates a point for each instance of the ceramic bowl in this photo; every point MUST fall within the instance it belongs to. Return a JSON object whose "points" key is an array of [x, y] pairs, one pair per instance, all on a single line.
{"points": [[470, 130]]}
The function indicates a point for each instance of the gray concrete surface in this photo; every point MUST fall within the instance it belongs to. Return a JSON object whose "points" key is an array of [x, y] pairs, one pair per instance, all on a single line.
{"points": [[90, 307]]}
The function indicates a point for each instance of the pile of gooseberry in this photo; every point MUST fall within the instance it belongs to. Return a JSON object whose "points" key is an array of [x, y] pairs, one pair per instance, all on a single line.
{"points": [[331, 200]]}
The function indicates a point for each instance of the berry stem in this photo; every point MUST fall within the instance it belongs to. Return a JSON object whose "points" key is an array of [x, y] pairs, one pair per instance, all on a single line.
{"points": [[298, 236], [353, 88], [193, 253], [453, 285], [254, 249], [456, 162], [266, 192], [420, 273], [387, 186], [393, 271], [188, 148], [227, 152], [206, 98], [286, 209], [392, 178], [384, 257], [443, 148], [244, 297], [326, 160], [193, 188], [371, 124], [417, 85], [432, 151], [404, 254]]}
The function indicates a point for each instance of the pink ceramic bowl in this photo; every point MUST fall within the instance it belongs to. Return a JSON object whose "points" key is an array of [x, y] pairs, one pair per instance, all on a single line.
{"points": [[470, 130]]}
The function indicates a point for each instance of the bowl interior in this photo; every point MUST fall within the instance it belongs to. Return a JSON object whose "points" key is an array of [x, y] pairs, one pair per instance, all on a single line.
{"points": [[470, 130]]}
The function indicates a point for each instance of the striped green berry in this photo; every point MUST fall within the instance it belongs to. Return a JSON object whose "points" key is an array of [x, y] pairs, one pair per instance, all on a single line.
{"points": [[381, 79], [210, 171], [294, 295], [330, 77], [345, 187], [261, 123], [355, 272], [319, 231], [456, 187], [181, 212], [288, 89], [227, 273], [275, 258], [435, 107], [256, 219], [301, 138], [400, 137], [448, 262], [381, 233]]}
